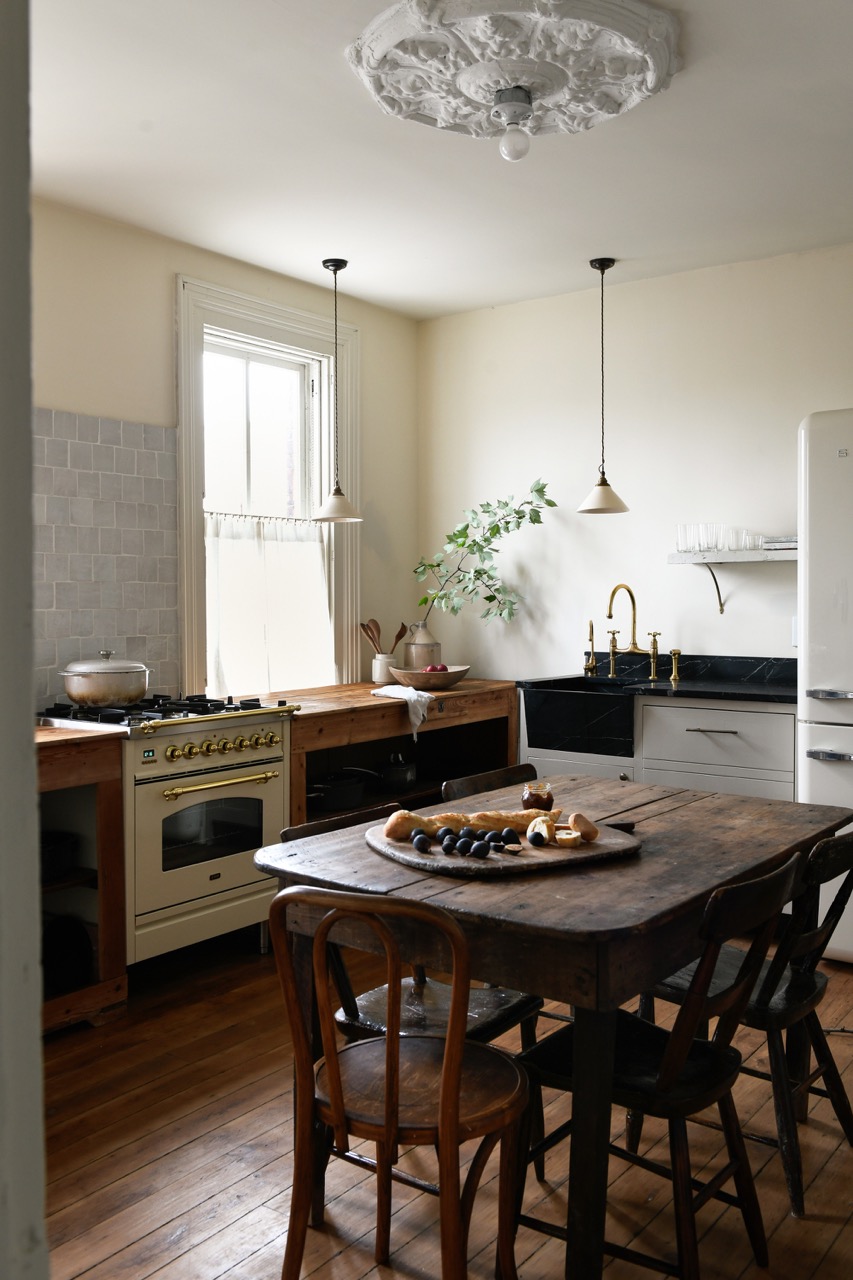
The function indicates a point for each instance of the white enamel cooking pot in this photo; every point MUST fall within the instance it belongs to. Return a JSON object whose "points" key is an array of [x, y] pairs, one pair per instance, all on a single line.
{"points": [[105, 681]]}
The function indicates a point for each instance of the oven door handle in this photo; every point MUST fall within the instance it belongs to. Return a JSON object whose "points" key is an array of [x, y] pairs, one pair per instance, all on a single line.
{"points": [[175, 793]]}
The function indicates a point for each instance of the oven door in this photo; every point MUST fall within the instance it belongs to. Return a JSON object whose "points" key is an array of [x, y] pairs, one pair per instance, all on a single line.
{"points": [[195, 835]]}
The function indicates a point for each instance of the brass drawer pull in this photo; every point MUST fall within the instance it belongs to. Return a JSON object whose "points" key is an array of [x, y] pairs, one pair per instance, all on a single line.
{"points": [[733, 732]]}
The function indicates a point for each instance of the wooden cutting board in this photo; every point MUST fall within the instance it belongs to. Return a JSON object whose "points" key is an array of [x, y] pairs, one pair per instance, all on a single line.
{"points": [[610, 844]]}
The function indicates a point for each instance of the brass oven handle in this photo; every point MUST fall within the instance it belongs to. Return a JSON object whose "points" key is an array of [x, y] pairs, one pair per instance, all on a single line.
{"points": [[174, 792], [283, 713]]}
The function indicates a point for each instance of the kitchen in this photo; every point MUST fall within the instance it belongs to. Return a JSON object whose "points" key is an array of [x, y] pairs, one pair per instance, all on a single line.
{"points": [[710, 371]]}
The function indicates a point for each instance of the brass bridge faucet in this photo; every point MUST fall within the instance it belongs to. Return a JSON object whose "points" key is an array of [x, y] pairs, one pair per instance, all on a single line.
{"points": [[633, 647]]}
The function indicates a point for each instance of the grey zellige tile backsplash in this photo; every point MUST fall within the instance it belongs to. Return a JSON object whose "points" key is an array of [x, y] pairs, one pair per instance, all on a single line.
{"points": [[106, 546]]}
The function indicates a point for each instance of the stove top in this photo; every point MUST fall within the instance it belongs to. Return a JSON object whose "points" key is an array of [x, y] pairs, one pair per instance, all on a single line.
{"points": [[157, 707]]}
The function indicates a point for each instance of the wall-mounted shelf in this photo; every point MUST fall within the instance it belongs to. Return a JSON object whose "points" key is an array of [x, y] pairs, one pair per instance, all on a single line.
{"points": [[727, 557], [709, 558]]}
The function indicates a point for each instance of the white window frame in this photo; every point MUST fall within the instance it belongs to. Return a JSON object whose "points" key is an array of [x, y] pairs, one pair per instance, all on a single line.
{"points": [[198, 305]]}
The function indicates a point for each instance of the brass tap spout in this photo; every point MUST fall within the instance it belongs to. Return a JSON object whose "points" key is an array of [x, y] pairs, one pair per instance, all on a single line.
{"points": [[633, 647]]}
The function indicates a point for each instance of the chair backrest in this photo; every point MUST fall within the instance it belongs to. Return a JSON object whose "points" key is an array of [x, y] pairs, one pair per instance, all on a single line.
{"points": [[731, 912], [458, 788], [340, 973], [387, 919], [338, 822], [808, 931]]}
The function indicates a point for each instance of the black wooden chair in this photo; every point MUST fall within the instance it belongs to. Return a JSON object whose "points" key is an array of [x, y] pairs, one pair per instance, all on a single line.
{"points": [[675, 1074], [396, 1090], [459, 788], [425, 1000], [784, 1006]]}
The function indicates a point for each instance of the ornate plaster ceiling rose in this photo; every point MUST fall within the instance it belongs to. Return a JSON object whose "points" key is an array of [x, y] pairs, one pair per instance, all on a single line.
{"points": [[449, 63]]}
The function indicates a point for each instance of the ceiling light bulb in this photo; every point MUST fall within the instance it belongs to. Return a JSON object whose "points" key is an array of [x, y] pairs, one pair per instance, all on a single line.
{"points": [[515, 143]]}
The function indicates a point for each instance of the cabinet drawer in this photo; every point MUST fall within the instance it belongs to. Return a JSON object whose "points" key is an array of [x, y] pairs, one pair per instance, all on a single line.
{"points": [[763, 741], [729, 784], [593, 766]]}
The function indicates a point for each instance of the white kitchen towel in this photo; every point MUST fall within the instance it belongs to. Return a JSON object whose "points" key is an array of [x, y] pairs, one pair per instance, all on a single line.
{"points": [[417, 699]]}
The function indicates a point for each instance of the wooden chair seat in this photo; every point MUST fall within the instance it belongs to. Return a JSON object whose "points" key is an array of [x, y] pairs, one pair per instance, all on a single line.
{"points": [[490, 1079], [395, 1090], [783, 1005], [425, 1006], [675, 1074]]}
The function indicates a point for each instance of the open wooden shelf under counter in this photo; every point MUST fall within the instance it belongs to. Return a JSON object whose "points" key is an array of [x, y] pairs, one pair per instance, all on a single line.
{"points": [[70, 759], [471, 727]]}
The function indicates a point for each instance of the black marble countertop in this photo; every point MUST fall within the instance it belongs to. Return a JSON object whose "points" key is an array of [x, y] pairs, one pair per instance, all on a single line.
{"points": [[700, 676]]}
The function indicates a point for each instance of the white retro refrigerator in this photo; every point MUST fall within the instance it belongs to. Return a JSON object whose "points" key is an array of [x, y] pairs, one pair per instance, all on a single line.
{"points": [[825, 622]]}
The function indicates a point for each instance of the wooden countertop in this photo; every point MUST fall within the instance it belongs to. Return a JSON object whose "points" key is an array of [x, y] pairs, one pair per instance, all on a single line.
{"points": [[53, 736], [340, 714], [343, 697]]}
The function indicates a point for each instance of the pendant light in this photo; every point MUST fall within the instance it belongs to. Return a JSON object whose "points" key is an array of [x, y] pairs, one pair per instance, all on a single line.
{"points": [[602, 500], [337, 509]]}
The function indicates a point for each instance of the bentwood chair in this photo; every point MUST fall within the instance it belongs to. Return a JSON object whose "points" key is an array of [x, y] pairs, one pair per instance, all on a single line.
{"points": [[425, 1000], [675, 1074], [784, 1006], [459, 788], [396, 1090]]}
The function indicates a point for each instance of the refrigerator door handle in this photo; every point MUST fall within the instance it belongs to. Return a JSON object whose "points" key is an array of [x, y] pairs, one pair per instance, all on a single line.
{"points": [[841, 756], [829, 693]]}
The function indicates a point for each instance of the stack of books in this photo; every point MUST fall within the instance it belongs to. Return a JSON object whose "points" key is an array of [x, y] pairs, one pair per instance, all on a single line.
{"points": [[780, 542]]}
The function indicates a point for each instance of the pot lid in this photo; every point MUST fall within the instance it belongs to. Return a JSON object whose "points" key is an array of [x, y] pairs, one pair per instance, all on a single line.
{"points": [[104, 665]]}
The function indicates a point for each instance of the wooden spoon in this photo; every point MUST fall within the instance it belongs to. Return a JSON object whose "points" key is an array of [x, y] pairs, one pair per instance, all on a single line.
{"points": [[399, 636], [366, 630], [377, 632]]}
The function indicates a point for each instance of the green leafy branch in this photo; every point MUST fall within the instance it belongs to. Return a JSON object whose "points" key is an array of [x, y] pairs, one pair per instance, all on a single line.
{"points": [[465, 570]]}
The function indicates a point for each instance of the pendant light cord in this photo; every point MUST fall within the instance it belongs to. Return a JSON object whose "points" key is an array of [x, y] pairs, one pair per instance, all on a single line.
{"points": [[601, 468], [335, 371]]}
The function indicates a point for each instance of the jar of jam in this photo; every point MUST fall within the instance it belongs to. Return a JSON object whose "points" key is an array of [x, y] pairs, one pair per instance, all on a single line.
{"points": [[537, 795]]}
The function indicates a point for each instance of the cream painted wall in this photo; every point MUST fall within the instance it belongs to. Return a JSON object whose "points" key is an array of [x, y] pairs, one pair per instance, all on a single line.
{"points": [[104, 344], [708, 375]]}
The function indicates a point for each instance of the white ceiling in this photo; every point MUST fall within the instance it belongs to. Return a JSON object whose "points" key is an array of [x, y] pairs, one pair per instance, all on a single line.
{"points": [[238, 125]]}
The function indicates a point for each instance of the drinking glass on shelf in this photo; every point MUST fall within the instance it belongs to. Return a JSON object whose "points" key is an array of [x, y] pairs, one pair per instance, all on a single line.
{"points": [[736, 538], [754, 542], [685, 537]]}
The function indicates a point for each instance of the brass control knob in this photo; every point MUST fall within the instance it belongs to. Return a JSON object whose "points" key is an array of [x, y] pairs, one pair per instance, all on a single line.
{"points": [[208, 747], [173, 753], [256, 741], [191, 750], [224, 745], [240, 743], [272, 739]]}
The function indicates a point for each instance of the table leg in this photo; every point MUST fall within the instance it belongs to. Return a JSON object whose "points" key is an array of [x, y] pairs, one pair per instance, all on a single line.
{"points": [[594, 1040]]}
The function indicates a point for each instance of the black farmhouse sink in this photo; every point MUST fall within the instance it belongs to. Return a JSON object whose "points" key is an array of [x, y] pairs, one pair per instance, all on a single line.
{"points": [[589, 714]]}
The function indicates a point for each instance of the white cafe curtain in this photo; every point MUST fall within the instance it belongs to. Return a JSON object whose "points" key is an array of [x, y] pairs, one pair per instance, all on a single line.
{"points": [[268, 624]]}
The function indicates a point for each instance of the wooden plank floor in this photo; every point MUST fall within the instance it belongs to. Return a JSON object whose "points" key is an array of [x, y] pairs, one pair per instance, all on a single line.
{"points": [[169, 1145]]}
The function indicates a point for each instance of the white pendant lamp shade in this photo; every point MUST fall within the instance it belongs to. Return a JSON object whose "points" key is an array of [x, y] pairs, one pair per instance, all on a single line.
{"points": [[602, 500], [337, 509]]}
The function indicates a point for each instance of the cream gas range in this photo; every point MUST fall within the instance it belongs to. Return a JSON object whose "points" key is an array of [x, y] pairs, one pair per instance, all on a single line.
{"points": [[206, 784]]}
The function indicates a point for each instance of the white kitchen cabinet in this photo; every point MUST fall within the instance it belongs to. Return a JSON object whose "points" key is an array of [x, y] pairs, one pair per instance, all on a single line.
{"points": [[738, 748], [595, 766]]}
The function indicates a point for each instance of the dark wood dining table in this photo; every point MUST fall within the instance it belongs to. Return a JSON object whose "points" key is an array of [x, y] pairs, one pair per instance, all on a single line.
{"points": [[594, 935]]}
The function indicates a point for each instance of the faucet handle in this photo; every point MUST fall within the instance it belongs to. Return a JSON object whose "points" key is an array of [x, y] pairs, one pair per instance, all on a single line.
{"points": [[654, 635]]}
